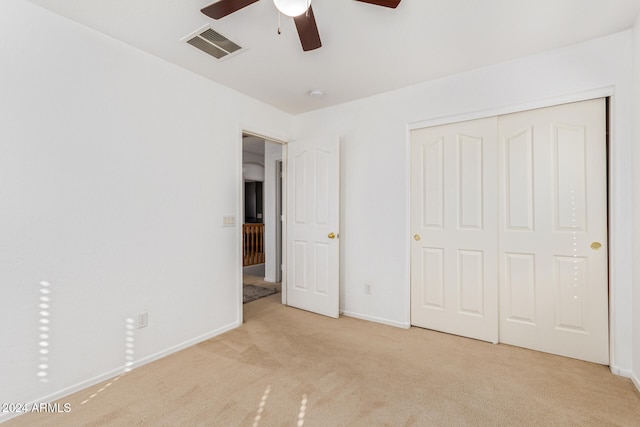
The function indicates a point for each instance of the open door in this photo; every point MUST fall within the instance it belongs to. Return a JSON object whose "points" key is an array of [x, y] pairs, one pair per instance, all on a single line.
{"points": [[313, 225]]}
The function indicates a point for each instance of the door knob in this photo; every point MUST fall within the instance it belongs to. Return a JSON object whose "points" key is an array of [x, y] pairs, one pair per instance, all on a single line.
{"points": [[416, 237], [331, 235], [596, 245]]}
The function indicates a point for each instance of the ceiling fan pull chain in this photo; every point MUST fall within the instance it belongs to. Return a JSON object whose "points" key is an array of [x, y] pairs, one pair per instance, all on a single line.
{"points": [[279, 14]]}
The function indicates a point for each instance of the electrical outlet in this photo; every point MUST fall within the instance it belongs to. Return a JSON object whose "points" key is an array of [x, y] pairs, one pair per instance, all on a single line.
{"points": [[142, 320], [368, 288]]}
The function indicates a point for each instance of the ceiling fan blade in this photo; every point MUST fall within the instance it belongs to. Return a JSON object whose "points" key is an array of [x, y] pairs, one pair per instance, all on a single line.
{"points": [[308, 30], [222, 8], [386, 3]]}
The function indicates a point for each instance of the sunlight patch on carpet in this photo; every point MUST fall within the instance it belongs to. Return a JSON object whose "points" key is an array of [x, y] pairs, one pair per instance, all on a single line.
{"points": [[263, 401]]}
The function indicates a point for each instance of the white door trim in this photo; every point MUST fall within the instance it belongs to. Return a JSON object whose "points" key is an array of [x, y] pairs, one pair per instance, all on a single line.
{"points": [[285, 191], [279, 166], [602, 92], [615, 244]]}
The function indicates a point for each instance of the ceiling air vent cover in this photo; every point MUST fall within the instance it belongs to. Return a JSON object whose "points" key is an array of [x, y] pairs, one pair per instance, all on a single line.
{"points": [[212, 43]]}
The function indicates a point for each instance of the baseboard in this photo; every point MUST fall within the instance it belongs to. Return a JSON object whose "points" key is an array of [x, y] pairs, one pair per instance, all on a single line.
{"points": [[119, 371], [619, 371], [188, 343], [636, 381], [627, 374], [376, 319]]}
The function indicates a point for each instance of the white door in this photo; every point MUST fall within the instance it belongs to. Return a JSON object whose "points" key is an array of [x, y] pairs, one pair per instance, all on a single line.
{"points": [[553, 234], [313, 226], [454, 277]]}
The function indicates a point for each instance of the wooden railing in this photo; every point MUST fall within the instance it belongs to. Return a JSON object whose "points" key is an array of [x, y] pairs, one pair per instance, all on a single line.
{"points": [[253, 244]]}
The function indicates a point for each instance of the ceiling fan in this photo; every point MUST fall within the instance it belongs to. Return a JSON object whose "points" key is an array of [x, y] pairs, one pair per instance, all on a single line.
{"points": [[299, 10]]}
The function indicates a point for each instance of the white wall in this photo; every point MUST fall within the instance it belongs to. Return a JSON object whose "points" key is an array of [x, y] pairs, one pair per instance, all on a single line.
{"points": [[272, 153], [636, 204], [374, 233], [115, 171]]}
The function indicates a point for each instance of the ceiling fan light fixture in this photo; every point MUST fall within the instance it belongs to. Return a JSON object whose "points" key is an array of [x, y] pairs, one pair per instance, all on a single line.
{"points": [[292, 7]]}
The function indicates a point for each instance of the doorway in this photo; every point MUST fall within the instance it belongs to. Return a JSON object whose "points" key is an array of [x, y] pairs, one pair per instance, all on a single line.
{"points": [[309, 233], [261, 236]]}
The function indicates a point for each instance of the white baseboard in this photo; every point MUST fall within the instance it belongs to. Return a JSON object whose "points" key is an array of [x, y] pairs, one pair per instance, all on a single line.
{"points": [[627, 374], [636, 381], [119, 371], [619, 371], [376, 319]]}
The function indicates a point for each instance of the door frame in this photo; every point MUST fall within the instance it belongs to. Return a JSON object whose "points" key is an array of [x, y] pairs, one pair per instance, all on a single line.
{"points": [[614, 243], [246, 130], [279, 217]]}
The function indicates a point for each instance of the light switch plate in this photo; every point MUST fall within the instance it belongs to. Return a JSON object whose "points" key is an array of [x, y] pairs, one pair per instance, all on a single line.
{"points": [[228, 221]]}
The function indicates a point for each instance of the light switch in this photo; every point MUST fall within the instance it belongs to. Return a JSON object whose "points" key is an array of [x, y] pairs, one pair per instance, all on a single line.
{"points": [[228, 221]]}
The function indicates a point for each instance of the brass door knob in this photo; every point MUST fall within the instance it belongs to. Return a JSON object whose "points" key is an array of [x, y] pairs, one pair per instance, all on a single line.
{"points": [[416, 237], [331, 235], [596, 245]]}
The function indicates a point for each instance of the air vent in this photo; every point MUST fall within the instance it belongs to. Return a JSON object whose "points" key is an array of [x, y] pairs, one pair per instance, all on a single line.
{"points": [[212, 43]]}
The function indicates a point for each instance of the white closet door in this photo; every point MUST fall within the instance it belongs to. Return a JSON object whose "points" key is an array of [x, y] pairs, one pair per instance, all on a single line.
{"points": [[553, 230], [454, 282]]}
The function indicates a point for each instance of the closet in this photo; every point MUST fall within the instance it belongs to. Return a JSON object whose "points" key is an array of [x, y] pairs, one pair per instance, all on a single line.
{"points": [[509, 229]]}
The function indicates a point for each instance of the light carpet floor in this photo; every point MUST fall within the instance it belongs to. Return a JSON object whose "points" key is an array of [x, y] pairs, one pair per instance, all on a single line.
{"points": [[287, 367]]}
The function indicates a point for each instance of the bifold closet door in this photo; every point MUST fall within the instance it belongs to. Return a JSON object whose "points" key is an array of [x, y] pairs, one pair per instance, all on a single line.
{"points": [[454, 278], [553, 230]]}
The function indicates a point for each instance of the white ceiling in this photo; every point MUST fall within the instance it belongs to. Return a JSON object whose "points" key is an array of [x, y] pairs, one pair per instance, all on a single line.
{"points": [[366, 49]]}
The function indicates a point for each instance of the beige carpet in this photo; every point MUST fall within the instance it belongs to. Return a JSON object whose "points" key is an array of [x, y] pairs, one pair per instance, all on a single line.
{"points": [[287, 367]]}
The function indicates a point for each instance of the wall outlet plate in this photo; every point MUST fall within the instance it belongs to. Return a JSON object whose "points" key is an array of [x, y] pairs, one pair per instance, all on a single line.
{"points": [[368, 288], [142, 320]]}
